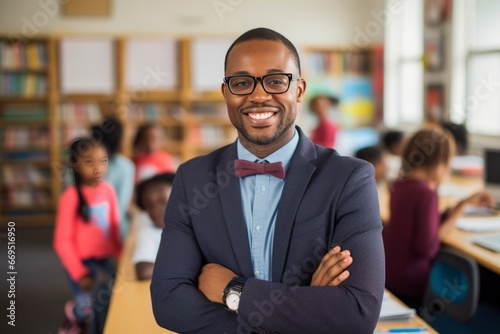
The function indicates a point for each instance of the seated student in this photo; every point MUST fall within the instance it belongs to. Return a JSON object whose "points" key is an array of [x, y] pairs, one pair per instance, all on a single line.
{"points": [[152, 197], [412, 237], [149, 157], [375, 156], [393, 142], [459, 133]]}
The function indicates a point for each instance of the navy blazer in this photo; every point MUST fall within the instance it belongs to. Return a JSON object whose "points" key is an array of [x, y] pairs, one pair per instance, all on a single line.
{"points": [[327, 200]]}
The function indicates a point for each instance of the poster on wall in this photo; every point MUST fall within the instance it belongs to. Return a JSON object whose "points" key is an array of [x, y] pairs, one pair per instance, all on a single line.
{"points": [[433, 51]]}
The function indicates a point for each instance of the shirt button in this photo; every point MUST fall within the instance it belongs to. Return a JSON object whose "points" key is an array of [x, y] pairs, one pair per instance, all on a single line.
{"points": [[263, 188], [259, 227], [257, 273]]}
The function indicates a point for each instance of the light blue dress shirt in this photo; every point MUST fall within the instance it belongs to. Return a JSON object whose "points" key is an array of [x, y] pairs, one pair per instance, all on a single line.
{"points": [[260, 195]]}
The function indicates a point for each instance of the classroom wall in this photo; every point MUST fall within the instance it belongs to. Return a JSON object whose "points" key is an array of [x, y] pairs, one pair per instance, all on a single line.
{"points": [[312, 22]]}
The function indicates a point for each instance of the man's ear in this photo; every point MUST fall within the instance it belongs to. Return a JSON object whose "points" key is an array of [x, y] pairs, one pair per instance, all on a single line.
{"points": [[223, 90], [301, 89]]}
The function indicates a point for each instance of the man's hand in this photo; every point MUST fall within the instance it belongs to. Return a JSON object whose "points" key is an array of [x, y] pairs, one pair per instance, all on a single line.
{"points": [[213, 280], [331, 270]]}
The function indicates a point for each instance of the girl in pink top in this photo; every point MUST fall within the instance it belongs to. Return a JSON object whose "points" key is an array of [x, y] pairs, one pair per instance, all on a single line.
{"points": [[411, 238], [86, 235], [149, 157]]}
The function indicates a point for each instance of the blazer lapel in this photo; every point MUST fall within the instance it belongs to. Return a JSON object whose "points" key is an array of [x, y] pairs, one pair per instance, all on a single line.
{"points": [[230, 195], [296, 181]]}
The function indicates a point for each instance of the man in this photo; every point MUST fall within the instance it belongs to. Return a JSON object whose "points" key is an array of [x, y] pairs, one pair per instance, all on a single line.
{"points": [[244, 253]]}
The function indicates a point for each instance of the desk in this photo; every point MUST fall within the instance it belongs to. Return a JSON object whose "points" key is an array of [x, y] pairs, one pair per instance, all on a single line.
{"points": [[416, 321], [457, 238], [130, 309]]}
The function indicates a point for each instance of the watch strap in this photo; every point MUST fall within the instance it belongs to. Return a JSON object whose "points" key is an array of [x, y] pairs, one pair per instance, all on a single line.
{"points": [[235, 284]]}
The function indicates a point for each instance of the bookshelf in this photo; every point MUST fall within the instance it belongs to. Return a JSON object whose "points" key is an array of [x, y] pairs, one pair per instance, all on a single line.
{"points": [[27, 106], [53, 88]]}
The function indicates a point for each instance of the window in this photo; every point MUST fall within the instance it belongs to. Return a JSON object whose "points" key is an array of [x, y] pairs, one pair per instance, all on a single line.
{"points": [[476, 66], [403, 97]]}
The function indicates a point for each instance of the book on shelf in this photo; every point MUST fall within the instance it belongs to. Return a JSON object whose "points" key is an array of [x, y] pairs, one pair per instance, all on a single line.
{"points": [[23, 85], [24, 112], [32, 56], [88, 112], [24, 156], [24, 138], [149, 112], [336, 63], [25, 175], [211, 136], [19, 197], [218, 110], [73, 131]]}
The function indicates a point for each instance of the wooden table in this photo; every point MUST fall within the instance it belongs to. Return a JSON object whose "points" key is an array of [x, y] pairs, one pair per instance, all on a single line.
{"points": [[457, 239], [130, 310], [416, 321]]}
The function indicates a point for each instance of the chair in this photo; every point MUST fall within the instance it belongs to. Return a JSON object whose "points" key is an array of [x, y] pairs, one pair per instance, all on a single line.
{"points": [[453, 287]]}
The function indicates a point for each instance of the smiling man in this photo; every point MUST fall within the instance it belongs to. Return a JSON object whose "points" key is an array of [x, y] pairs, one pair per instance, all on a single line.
{"points": [[271, 234]]}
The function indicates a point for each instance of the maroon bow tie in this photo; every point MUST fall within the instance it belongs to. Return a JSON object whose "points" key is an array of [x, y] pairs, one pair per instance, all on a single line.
{"points": [[244, 168]]}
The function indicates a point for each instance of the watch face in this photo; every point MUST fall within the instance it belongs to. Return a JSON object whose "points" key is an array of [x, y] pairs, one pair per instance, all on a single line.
{"points": [[233, 300]]}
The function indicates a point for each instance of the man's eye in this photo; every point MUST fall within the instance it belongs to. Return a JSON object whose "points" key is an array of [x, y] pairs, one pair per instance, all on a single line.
{"points": [[241, 83]]}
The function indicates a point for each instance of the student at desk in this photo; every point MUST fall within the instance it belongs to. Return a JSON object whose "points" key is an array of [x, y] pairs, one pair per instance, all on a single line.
{"points": [[411, 239], [152, 198]]}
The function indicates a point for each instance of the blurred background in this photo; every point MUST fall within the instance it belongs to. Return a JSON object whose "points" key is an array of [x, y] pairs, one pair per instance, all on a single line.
{"points": [[371, 66]]}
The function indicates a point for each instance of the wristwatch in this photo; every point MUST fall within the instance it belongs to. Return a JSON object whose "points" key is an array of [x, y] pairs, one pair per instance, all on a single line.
{"points": [[232, 293]]}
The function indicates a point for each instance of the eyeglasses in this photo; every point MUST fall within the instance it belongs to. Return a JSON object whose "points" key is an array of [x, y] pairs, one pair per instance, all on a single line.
{"points": [[274, 83]]}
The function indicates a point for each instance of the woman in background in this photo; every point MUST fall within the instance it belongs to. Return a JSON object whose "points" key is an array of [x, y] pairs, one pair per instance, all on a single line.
{"points": [[412, 238]]}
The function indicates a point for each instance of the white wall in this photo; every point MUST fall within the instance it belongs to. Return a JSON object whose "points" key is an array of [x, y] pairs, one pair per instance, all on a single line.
{"points": [[305, 22]]}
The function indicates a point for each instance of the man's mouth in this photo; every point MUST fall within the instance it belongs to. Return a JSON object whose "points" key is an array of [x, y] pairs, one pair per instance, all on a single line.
{"points": [[263, 115]]}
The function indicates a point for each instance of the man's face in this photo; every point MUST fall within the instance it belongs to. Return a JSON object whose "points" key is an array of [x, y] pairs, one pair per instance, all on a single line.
{"points": [[262, 118]]}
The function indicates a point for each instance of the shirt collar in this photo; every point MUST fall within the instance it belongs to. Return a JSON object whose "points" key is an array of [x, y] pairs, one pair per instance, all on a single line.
{"points": [[283, 154]]}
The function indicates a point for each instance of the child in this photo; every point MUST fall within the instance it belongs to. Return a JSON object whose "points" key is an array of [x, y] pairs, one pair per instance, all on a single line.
{"points": [[150, 158], [86, 235], [152, 197], [375, 156], [412, 238], [394, 146], [121, 170], [326, 131]]}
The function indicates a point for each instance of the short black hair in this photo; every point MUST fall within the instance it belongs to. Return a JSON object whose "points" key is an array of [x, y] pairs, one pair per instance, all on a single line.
{"points": [[110, 132], [392, 138], [459, 133], [268, 35], [372, 154], [167, 178], [141, 132], [333, 99]]}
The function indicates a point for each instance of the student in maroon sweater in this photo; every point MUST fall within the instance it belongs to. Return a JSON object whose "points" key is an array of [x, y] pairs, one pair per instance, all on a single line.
{"points": [[411, 238]]}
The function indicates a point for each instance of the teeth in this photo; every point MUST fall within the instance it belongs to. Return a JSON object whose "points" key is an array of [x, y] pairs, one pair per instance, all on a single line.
{"points": [[260, 115]]}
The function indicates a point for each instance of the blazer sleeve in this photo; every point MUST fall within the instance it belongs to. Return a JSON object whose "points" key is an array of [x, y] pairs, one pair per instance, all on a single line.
{"points": [[352, 307], [178, 305]]}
